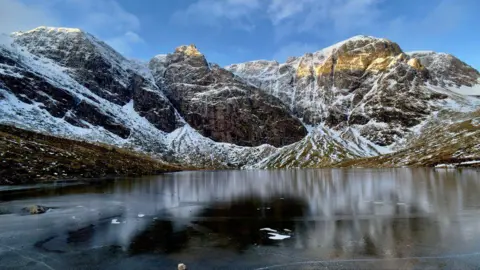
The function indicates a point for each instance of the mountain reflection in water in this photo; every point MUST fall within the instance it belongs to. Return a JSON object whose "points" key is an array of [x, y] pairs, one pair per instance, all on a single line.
{"points": [[214, 219]]}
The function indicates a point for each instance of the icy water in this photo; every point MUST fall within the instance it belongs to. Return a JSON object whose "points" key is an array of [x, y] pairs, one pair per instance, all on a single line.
{"points": [[293, 219]]}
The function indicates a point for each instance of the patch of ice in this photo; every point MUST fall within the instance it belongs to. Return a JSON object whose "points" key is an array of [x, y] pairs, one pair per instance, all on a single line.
{"points": [[141, 215], [445, 166], [115, 221], [268, 229], [276, 236], [470, 162]]}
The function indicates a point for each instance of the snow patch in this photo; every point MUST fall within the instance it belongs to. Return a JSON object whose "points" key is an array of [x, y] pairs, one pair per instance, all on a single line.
{"points": [[277, 236], [269, 230], [115, 221]]}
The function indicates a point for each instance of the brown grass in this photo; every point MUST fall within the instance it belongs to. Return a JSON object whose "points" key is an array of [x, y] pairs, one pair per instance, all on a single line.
{"points": [[27, 157]]}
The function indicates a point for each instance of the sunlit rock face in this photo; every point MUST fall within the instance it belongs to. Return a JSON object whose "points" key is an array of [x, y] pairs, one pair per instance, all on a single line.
{"points": [[364, 82], [213, 101]]}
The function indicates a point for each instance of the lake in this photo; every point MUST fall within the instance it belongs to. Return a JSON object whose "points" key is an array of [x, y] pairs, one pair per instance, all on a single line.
{"points": [[285, 219]]}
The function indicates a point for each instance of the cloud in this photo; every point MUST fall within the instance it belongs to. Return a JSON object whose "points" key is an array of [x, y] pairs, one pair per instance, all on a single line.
{"points": [[102, 16], [16, 16], [106, 19], [286, 16], [293, 49], [124, 44], [214, 13], [334, 17]]}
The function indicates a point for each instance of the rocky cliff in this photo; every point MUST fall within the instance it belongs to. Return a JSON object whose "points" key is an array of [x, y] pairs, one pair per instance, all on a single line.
{"points": [[365, 83], [358, 98], [222, 107]]}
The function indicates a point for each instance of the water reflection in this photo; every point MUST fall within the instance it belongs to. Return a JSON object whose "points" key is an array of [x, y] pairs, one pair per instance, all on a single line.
{"points": [[324, 214]]}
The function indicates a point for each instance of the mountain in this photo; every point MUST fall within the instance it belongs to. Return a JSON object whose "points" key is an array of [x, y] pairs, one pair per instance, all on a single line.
{"points": [[213, 101], [365, 83], [359, 98], [103, 71], [65, 82], [447, 141]]}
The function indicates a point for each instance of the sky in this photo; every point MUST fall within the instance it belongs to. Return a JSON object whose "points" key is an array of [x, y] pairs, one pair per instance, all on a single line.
{"points": [[234, 31]]}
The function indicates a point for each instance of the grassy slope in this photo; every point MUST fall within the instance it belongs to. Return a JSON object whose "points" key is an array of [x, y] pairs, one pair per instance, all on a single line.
{"points": [[439, 143], [28, 157]]}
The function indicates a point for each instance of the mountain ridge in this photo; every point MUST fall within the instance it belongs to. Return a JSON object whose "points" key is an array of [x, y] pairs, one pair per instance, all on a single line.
{"points": [[363, 97]]}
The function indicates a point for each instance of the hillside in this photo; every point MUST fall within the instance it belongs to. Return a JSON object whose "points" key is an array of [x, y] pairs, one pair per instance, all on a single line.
{"points": [[452, 140], [28, 157]]}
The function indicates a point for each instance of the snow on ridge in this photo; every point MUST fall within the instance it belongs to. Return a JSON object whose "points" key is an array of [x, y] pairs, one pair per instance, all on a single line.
{"points": [[49, 37], [161, 57], [53, 29], [324, 51], [420, 52]]}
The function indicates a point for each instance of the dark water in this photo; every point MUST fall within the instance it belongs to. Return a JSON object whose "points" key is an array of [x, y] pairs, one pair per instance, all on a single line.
{"points": [[298, 219]]}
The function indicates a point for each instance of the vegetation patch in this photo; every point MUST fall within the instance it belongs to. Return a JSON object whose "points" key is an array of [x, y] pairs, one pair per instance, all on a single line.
{"points": [[30, 157]]}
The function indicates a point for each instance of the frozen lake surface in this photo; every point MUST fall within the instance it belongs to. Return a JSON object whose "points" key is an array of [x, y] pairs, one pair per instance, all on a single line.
{"points": [[289, 219]]}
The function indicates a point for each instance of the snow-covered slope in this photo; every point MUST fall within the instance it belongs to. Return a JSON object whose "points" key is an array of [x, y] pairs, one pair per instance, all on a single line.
{"points": [[449, 72], [449, 140], [39, 93], [322, 147]]}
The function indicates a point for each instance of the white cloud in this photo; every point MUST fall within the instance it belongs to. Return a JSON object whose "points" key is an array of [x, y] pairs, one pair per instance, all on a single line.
{"points": [[108, 20], [337, 17], [15, 16], [103, 16], [282, 10], [287, 16], [124, 43], [215, 12]]}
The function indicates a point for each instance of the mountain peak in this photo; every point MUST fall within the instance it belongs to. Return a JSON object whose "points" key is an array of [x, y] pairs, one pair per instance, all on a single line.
{"points": [[190, 50], [48, 29]]}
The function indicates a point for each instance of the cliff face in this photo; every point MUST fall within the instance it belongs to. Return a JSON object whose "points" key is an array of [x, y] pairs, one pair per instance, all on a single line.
{"points": [[101, 70], [222, 107], [365, 83]]}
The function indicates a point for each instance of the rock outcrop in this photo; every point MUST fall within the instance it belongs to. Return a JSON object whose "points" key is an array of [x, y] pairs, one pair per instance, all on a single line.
{"points": [[220, 106], [447, 71]]}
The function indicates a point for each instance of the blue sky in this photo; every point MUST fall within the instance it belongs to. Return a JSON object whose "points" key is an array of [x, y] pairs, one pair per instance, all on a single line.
{"points": [[232, 31]]}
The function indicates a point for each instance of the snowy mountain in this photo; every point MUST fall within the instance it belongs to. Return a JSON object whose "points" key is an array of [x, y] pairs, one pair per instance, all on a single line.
{"points": [[92, 93], [359, 98], [222, 107], [367, 84]]}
